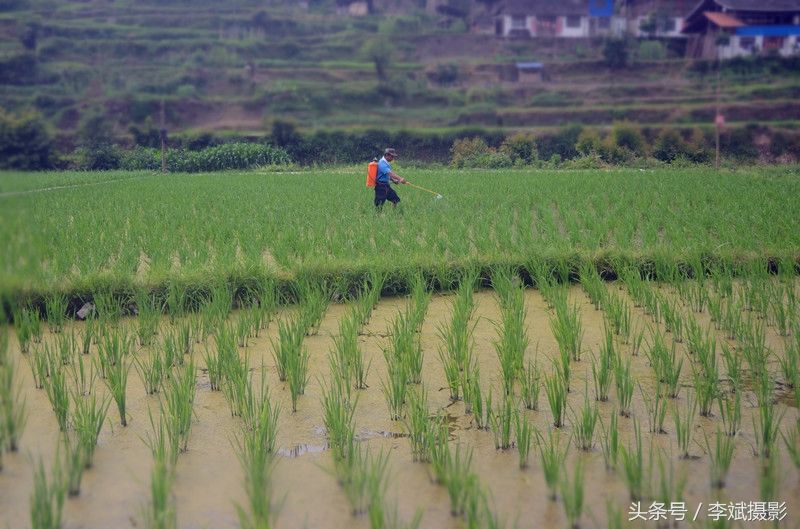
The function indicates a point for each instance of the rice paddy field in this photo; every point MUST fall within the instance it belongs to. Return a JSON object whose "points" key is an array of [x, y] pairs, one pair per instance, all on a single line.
{"points": [[256, 350]]}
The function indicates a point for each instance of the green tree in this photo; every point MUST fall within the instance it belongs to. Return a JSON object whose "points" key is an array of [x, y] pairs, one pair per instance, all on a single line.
{"points": [[25, 142], [615, 52], [379, 51]]}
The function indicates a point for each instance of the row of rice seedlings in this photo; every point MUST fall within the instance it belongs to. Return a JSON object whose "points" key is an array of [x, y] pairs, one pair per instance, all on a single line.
{"points": [[603, 370], [420, 300], [513, 339], [149, 316], [348, 354], [694, 294], [56, 310], [593, 286], [57, 391], [783, 314], [314, 300], [567, 328], [339, 417], [423, 430], [395, 387], [405, 346], [13, 413], [766, 424], [684, 425], [29, 328], [666, 364], [656, 408], [83, 375], [457, 351], [47, 498], [234, 378], [584, 423], [178, 401], [501, 421], [720, 458], [291, 356], [673, 319], [368, 298]]}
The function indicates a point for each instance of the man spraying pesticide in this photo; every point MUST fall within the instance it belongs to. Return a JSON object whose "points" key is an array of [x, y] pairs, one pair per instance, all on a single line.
{"points": [[380, 175]]}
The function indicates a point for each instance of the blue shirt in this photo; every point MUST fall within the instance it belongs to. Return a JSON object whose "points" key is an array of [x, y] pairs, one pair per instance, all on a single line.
{"points": [[383, 171]]}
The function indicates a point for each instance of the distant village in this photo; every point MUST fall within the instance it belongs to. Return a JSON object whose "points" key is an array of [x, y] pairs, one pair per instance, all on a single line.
{"points": [[713, 29]]}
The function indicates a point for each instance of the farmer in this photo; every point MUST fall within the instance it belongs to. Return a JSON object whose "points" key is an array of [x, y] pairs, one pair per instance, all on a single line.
{"points": [[383, 191]]}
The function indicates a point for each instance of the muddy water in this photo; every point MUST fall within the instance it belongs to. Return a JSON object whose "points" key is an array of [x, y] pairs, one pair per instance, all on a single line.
{"points": [[209, 481]]}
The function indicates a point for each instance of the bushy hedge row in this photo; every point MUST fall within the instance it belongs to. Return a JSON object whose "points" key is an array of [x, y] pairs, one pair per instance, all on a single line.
{"points": [[217, 158]]}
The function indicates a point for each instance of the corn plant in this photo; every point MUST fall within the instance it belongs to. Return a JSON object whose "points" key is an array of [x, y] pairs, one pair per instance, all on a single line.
{"points": [[13, 413], [720, 456], [56, 309], [47, 498], [87, 421], [552, 458], [572, 494], [524, 434], [684, 426]]}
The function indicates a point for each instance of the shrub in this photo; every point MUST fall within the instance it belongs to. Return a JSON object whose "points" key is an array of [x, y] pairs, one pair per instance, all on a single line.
{"points": [[140, 159], [615, 52], [474, 152], [521, 148], [587, 161], [669, 145], [589, 143], [25, 142], [651, 50], [99, 157], [628, 136]]}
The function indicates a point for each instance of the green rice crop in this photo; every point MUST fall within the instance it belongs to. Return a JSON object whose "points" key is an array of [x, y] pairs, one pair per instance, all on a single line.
{"points": [[602, 371], [584, 423], [670, 487], [730, 410], [766, 424], [347, 354], [108, 307], [556, 392], [88, 418], [666, 364], [459, 478], [163, 446], [474, 396], [792, 442], [314, 300], [39, 361], [178, 399], [790, 363], [117, 382], [339, 417], [572, 495], [422, 431], [635, 472], [405, 347], [524, 434], [58, 393], [733, 366], [47, 498], [624, 384], [656, 408], [720, 456], [152, 372], [395, 387], [56, 308], [160, 512], [567, 329], [552, 458], [530, 386], [618, 316], [513, 339], [83, 375], [289, 346], [684, 425], [260, 415], [593, 285], [28, 327], [75, 463], [67, 347], [501, 421], [610, 442], [257, 465], [13, 413], [149, 317], [769, 478]]}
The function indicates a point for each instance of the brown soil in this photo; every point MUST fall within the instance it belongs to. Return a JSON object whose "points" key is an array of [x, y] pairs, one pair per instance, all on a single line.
{"points": [[209, 480]]}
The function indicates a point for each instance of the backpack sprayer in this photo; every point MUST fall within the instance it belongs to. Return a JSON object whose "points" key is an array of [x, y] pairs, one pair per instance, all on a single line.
{"points": [[372, 175]]}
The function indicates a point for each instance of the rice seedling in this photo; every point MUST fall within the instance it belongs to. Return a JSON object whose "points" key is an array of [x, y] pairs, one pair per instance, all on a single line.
{"points": [[259, 415], [673, 320], [83, 375], [184, 337], [314, 300], [13, 414], [769, 478], [114, 346], [66, 347], [656, 408], [636, 342], [178, 400], [149, 316], [172, 356], [782, 314], [109, 308], [297, 375], [339, 417], [58, 393], [792, 442], [624, 384], [592, 284], [790, 363], [572, 495], [602, 371], [733, 367], [556, 392], [163, 446], [88, 334], [634, 471], [524, 435], [348, 355], [766, 424], [395, 388], [474, 397], [452, 374], [421, 429], [666, 364], [459, 478], [552, 458], [513, 340], [405, 346], [720, 457], [177, 300], [567, 329], [610, 443], [87, 421], [152, 372], [706, 386], [160, 512], [613, 515], [530, 386], [234, 379], [47, 498], [39, 362], [289, 345], [56, 309], [670, 487], [257, 465], [117, 382], [730, 410], [684, 426], [585, 423], [28, 327], [500, 422], [75, 463], [618, 317]]}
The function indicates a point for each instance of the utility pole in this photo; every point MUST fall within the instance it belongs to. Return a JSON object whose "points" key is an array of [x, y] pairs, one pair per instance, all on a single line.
{"points": [[719, 120], [163, 134]]}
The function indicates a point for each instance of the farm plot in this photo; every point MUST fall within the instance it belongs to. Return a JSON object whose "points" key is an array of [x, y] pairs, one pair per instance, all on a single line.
{"points": [[561, 405]]}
